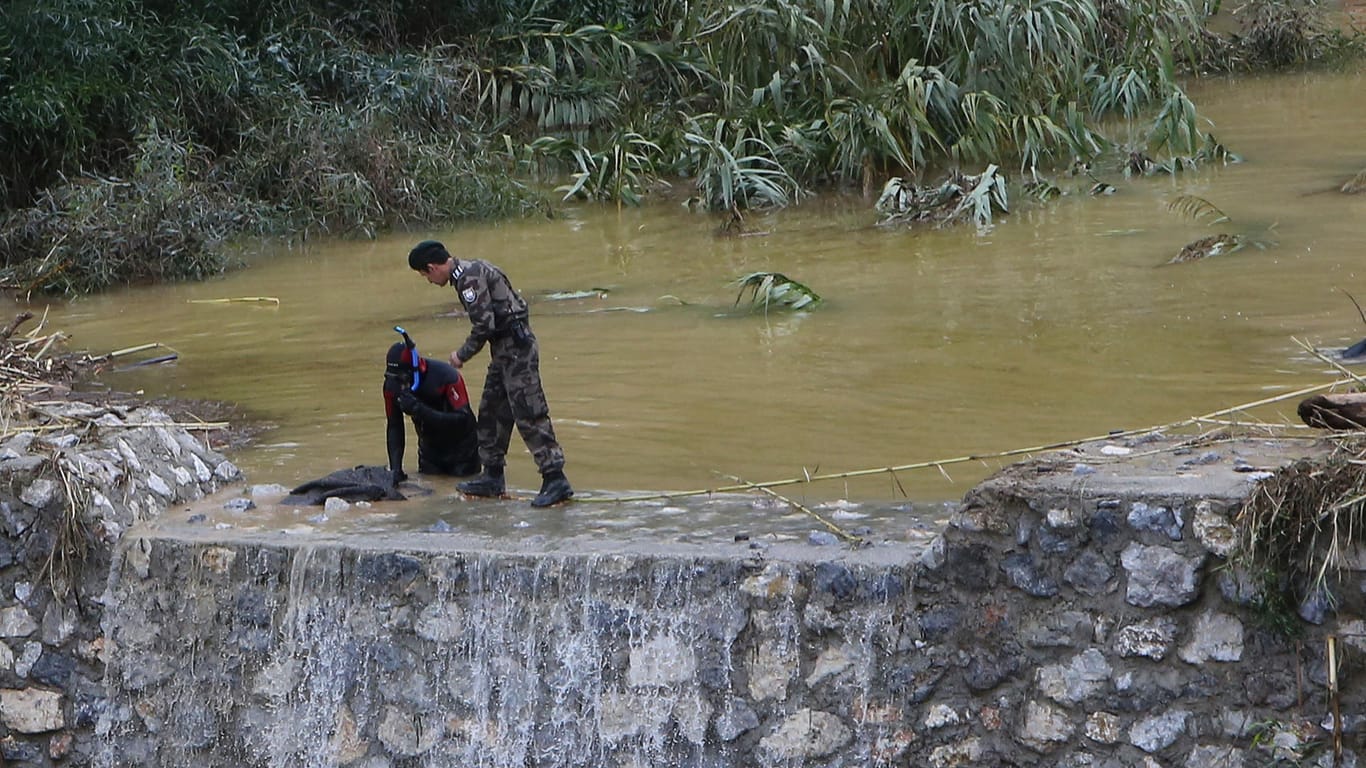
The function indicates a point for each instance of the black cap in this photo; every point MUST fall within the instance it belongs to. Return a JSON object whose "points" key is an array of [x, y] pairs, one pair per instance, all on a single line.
{"points": [[427, 252]]}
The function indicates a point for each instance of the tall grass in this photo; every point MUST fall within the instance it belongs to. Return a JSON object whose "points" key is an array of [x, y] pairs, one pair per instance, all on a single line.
{"points": [[351, 116]]}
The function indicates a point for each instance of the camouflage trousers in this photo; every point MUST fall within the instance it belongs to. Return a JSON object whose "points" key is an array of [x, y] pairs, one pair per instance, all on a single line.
{"points": [[513, 395]]}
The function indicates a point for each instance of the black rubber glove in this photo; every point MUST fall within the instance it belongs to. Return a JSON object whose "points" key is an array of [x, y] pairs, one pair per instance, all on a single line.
{"points": [[407, 402]]}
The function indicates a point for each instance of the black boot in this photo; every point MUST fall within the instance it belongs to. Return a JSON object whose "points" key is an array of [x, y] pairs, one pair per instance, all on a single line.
{"points": [[488, 483], [554, 489]]}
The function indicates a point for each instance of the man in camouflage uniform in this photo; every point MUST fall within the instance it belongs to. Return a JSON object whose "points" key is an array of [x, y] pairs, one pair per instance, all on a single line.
{"points": [[512, 387]]}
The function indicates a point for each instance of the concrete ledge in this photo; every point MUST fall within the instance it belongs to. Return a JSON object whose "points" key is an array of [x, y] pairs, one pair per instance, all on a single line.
{"points": [[1075, 611]]}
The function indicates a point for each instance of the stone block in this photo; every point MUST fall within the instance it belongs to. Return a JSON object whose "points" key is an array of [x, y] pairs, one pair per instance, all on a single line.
{"points": [[15, 621], [804, 735], [31, 710], [1158, 576]]}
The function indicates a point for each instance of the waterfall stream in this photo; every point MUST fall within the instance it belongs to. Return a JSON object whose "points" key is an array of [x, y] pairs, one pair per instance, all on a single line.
{"points": [[332, 654]]}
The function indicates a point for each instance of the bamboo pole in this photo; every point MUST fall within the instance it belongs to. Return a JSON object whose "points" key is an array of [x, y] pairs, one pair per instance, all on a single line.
{"points": [[849, 537], [941, 463], [134, 350]]}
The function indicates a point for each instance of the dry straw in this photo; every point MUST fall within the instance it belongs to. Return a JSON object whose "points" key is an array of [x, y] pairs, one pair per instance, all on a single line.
{"points": [[34, 375]]}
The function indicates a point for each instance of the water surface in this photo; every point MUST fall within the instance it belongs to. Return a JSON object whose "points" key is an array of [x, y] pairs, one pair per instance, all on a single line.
{"points": [[1060, 322]]}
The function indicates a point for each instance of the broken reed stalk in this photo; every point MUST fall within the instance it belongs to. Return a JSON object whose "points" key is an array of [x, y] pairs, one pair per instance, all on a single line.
{"points": [[941, 463], [47, 344], [238, 300], [1269, 427], [174, 355], [1339, 366], [849, 537]]}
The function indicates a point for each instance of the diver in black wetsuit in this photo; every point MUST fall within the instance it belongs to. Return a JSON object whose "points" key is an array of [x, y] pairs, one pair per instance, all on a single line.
{"points": [[432, 394]]}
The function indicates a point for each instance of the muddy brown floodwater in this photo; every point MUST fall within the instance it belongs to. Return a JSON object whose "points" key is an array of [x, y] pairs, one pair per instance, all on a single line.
{"points": [[1060, 322]]}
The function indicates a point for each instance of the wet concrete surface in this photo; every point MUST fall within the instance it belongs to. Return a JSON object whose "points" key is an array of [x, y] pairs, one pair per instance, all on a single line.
{"points": [[1212, 467], [435, 516], [729, 525]]}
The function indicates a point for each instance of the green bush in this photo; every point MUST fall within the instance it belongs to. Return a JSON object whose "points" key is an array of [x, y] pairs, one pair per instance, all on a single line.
{"points": [[166, 221], [157, 130]]}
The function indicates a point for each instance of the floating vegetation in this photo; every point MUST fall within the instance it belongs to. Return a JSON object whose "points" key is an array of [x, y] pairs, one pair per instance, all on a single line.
{"points": [[1205, 247], [1224, 243], [733, 225], [168, 356], [1197, 208], [1214, 151], [1355, 184], [1140, 163], [958, 198], [1042, 190], [238, 300], [585, 293], [770, 289]]}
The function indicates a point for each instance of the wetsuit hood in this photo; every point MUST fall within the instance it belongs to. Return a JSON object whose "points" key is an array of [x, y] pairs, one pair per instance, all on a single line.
{"points": [[403, 359]]}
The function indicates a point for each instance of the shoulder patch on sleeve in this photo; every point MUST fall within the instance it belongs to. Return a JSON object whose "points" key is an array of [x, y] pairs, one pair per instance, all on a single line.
{"points": [[469, 294]]}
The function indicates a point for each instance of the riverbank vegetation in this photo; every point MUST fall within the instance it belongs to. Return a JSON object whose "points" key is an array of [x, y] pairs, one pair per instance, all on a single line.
{"points": [[141, 137]]}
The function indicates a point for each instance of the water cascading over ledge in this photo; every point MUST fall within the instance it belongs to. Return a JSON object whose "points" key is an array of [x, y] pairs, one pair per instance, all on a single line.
{"points": [[253, 653], [1085, 608]]}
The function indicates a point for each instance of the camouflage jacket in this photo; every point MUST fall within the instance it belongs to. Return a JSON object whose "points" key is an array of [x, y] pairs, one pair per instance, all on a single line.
{"points": [[494, 307]]}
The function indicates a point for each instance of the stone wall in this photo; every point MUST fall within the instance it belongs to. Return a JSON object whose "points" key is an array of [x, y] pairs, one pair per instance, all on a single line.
{"points": [[69, 487], [1079, 610], [1098, 615]]}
